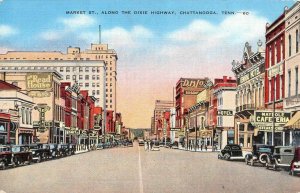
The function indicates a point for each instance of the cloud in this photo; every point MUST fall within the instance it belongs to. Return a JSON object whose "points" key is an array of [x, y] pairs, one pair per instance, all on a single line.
{"points": [[77, 21], [67, 27], [6, 30]]}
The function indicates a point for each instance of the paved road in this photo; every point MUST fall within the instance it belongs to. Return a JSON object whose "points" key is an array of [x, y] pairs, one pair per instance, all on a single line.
{"points": [[134, 170]]}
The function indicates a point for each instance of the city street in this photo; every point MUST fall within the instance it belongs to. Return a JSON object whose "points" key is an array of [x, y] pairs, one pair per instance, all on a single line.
{"points": [[134, 170]]}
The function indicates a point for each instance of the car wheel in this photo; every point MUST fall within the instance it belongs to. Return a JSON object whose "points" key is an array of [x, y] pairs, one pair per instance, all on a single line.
{"points": [[251, 162], [2, 163], [226, 156], [263, 158]]}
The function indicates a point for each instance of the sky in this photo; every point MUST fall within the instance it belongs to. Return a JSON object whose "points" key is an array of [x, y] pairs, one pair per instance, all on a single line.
{"points": [[154, 50]]}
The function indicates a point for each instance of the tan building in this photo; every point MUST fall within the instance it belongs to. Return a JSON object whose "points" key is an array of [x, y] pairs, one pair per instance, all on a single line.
{"points": [[292, 65], [160, 107], [97, 52], [44, 88]]}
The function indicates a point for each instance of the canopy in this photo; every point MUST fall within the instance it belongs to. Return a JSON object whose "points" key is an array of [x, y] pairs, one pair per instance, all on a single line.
{"points": [[294, 122]]}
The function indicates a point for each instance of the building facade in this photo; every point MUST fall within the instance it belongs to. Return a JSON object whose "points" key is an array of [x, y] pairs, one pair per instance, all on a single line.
{"points": [[250, 74], [292, 59]]}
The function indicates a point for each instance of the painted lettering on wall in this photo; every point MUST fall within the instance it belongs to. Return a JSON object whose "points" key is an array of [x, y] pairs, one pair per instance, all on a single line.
{"points": [[38, 81]]}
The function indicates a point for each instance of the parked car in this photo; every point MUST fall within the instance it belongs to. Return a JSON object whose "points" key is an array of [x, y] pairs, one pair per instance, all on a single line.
{"points": [[295, 164], [21, 154], [53, 150], [5, 156], [259, 154], [63, 150], [38, 152], [71, 149], [230, 152], [129, 143], [282, 157], [141, 142], [156, 146], [100, 146]]}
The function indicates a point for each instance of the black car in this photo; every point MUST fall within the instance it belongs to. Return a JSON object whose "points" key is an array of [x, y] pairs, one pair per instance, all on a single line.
{"points": [[259, 154], [5, 156], [231, 151], [71, 149], [39, 152], [21, 154], [53, 150], [63, 150]]}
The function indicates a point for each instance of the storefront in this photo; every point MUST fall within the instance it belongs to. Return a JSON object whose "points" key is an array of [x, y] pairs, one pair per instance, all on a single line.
{"points": [[292, 130], [4, 128], [25, 136]]}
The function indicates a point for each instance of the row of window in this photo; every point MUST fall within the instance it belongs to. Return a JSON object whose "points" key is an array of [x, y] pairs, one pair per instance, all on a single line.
{"points": [[26, 116], [80, 77], [296, 43], [296, 82], [87, 84], [80, 69]]}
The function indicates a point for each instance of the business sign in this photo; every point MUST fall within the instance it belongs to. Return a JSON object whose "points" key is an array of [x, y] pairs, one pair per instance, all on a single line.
{"points": [[253, 73], [266, 117], [269, 128], [42, 108], [39, 94], [175, 129], [39, 81], [225, 113], [193, 83], [190, 92]]}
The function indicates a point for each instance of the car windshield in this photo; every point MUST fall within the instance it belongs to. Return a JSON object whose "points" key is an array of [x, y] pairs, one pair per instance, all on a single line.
{"points": [[265, 149], [4, 149], [16, 149], [33, 147], [52, 146]]}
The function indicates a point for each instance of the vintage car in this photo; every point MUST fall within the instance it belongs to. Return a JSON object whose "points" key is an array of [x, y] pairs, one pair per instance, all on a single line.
{"points": [[230, 152], [53, 150], [259, 154], [21, 154], [141, 142], [129, 143], [295, 164], [40, 152], [156, 146], [5, 156], [72, 149], [63, 150], [281, 158]]}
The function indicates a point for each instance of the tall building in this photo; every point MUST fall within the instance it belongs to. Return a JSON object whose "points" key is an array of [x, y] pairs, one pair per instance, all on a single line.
{"points": [[275, 63], [161, 106], [292, 59], [186, 96], [88, 76]]}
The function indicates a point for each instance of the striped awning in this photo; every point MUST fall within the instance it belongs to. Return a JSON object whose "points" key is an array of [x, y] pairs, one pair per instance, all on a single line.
{"points": [[294, 122]]}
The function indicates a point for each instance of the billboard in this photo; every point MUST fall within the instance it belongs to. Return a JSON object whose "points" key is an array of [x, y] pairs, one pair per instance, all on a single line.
{"points": [[266, 117], [38, 81], [192, 83]]}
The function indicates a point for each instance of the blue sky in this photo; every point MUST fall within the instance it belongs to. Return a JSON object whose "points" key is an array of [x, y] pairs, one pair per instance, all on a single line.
{"points": [[154, 50]]}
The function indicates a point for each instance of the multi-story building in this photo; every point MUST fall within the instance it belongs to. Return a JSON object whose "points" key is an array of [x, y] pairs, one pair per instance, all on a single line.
{"points": [[250, 75], [186, 96], [223, 111], [44, 87], [18, 107], [160, 107], [292, 65]]}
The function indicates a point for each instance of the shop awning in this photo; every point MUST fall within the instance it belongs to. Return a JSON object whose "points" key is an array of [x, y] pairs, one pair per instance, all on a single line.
{"points": [[294, 122]]}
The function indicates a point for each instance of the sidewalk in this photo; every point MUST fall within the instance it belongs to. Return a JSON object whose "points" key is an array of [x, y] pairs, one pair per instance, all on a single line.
{"points": [[81, 151]]}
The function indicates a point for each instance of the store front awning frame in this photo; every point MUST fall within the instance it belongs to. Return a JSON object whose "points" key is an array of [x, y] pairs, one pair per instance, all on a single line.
{"points": [[294, 122]]}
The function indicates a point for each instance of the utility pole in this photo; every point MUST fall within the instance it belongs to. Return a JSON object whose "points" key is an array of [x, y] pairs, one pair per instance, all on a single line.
{"points": [[273, 118], [196, 132]]}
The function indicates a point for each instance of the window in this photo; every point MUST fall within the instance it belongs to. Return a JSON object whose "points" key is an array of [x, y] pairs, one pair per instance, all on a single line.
{"points": [[110, 106], [93, 77], [93, 84], [68, 77], [297, 41], [86, 69], [74, 77], [93, 93], [110, 95], [61, 69], [282, 51], [80, 69], [98, 84], [86, 77], [87, 84], [98, 92], [74, 69], [289, 83], [275, 89], [98, 77], [270, 90], [290, 45], [80, 77], [296, 78], [93, 69], [81, 84], [270, 56], [275, 49], [68, 69]]}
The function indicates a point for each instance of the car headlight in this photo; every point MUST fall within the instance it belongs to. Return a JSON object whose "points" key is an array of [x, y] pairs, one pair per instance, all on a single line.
{"points": [[254, 157], [33, 152]]}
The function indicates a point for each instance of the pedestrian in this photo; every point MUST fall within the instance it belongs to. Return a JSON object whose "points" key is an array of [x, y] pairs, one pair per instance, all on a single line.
{"points": [[205, 147], [145, 145], [201, 147], [149, 145]]}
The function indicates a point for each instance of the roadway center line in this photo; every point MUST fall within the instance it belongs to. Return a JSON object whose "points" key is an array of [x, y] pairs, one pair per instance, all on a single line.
{"points": [[140, 172]]}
